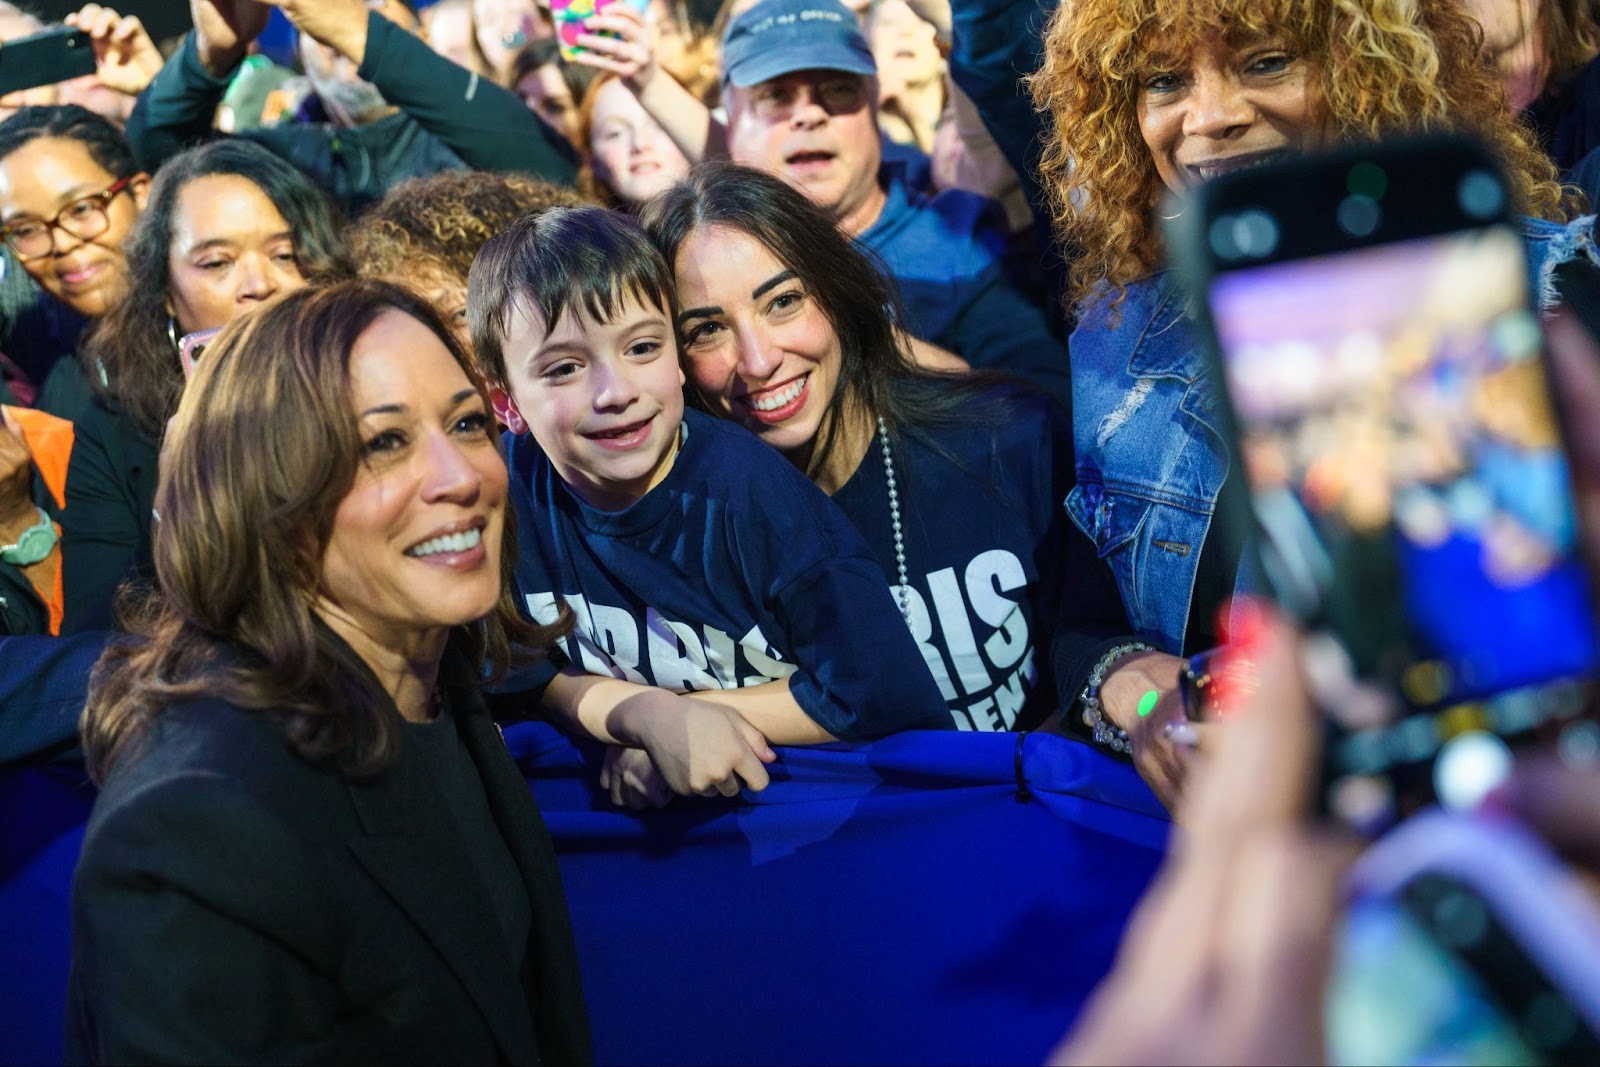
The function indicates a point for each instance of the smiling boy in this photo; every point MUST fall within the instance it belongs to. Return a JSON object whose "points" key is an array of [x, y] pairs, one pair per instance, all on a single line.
{"points": [[722, 601]]}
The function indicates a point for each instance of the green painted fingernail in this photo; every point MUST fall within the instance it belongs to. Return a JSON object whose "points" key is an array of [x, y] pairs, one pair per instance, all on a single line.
{"points": [[1147, 703]]}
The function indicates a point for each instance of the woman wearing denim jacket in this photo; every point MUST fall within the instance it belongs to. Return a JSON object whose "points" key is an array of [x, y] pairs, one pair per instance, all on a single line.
{"points": [[1147, 96]]}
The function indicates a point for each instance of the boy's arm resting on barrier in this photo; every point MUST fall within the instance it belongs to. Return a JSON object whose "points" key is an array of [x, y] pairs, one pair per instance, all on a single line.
{"points": [[699, 747]]}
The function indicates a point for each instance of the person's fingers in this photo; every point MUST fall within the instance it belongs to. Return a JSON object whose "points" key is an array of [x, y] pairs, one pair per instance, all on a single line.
{"points": [[755, 739], [655, 789], [728, 787], [754, 773], [1276, 947], [127, 30], [1261, 768], [9, 423], [594, 59]]}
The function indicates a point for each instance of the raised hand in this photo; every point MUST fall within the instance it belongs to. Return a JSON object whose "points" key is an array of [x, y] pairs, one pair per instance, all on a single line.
{"points": [[224, 29], [339, 24], [630, 54], [17, 512], [125, 57]]}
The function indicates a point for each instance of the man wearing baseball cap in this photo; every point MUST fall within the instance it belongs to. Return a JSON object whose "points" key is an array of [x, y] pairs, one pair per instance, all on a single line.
{"points": [[800, 88]]}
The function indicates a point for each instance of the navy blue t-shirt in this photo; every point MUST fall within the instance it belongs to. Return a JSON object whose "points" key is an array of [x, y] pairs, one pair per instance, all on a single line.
{"points": [[734, 571], [984, 534]]}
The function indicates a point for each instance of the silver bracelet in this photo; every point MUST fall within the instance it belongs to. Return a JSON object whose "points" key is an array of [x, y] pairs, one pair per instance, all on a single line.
{"points": [[1106, 732]]}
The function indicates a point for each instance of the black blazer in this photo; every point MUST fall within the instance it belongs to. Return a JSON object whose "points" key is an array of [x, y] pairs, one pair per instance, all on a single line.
{"points": [[235, 903]]}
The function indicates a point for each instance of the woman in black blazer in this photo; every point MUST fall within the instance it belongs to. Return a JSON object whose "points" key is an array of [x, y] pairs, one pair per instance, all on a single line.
{"points": [[311, 844]]}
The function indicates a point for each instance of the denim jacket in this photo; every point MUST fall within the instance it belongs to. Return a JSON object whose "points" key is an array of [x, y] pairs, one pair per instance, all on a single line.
{"points": [[1151, 459]]}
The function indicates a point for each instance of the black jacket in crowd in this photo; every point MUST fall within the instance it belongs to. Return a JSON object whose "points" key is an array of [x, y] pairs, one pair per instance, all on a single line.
{"points": [[236, 903]]}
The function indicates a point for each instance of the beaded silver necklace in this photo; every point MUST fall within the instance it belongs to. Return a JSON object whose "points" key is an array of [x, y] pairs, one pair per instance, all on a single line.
{"points": [[902, 594]]}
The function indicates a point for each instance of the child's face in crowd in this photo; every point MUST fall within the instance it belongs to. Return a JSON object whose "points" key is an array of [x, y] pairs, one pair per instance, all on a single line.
{"points": [[1228, 104], [37, 182], [758, 346], [632, 155], [815, 129], [231, 250], [604, 400]]}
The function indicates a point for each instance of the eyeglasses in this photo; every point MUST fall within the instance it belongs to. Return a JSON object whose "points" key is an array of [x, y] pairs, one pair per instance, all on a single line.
{"points": [[84, 219], [778, 100]]}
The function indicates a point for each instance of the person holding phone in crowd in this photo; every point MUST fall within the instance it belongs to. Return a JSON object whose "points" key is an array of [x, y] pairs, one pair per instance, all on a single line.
{"points": [[228, 226], [1144, 99], [310, 843], [396, 108]]}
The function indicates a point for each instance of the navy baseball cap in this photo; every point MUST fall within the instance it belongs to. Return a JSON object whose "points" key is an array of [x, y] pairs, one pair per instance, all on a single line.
{"points": [[778, 37]]}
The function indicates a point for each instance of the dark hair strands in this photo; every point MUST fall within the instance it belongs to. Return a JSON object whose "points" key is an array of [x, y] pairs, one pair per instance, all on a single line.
{"points": [[264, 449], [586, 261], [131, 343]]}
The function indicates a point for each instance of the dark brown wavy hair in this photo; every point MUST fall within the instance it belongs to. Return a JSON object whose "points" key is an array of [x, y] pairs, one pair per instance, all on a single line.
{"points": [[264, 448], [1386, 67]]}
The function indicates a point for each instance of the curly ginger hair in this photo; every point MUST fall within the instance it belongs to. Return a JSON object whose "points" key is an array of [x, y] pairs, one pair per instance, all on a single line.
{"points": [[1385, 67]]}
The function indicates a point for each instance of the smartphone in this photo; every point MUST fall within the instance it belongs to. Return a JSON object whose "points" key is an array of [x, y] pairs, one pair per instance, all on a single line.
{"points": [[1465, 942], [570, 16], [192, 346], [1372, 320], [58, 54]]}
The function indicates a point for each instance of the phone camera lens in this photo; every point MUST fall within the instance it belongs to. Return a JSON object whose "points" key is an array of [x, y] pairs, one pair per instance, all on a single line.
{"points": [[1481, 195], [1459, 920], [1359, 215], [1248, 235]]}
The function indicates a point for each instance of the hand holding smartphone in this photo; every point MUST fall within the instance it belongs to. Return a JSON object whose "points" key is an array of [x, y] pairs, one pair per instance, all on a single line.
{"points": [[1373, 321], [571, 18], [57, 54]]}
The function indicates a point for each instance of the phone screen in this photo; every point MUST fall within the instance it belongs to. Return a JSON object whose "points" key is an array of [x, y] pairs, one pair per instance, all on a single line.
{"points": [[1399, 996], [1413, 499]]}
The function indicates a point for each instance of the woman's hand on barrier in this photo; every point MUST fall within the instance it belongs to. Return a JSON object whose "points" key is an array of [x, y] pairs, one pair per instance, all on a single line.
{"points": [[700, 748], [620, 41], [1165, 744], [125, 58], [633, 781]]}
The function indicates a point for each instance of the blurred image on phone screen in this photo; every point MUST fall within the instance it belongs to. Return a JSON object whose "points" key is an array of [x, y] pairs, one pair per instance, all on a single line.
{"points": [[1414, 498]]}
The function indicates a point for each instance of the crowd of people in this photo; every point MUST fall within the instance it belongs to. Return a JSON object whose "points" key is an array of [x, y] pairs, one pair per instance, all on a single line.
{"points": [[703, 377]]}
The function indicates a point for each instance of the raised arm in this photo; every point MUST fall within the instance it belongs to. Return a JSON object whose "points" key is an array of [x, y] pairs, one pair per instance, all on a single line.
{"points": [[176, 109], [487, 126], [631, 56]]}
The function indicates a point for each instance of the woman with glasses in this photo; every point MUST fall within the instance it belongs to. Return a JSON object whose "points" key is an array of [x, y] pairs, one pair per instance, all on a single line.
{"points": [[228, 226], [70, 192]]}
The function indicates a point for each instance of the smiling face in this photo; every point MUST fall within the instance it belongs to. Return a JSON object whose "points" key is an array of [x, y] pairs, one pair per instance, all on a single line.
{"points": [[757, 345], [604, 400], [41, 178], [231, 250], [1226, 105], [816, 130], [631, 155], [415, 546]]}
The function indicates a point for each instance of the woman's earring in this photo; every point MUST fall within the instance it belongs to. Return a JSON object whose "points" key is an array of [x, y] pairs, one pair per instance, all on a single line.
{"points": [[172, 331]]}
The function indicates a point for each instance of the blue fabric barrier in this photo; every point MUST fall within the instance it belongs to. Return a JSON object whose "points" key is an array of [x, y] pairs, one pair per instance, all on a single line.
{"points": [[899, 902]]}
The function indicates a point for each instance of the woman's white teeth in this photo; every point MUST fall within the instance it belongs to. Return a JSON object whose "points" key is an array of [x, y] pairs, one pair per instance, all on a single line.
{"points": [[773, 401], [459, 542]]}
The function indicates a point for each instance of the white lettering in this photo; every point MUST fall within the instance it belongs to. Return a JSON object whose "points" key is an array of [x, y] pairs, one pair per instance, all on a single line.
{"points": [[921, 624], [765, 660], [988, 575], [957, 629], [1013, 693], [676, 659]]}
